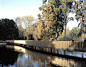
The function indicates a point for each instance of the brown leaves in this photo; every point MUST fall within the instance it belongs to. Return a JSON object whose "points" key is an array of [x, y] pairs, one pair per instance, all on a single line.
{"points": [[81, 20]]}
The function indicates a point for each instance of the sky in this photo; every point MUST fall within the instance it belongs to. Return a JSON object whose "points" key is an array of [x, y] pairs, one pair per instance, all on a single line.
{"points": [[12, 9], [18, 8]]}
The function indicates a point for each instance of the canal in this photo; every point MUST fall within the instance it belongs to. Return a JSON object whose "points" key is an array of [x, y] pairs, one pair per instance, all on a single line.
{"points": [[15, 56]]}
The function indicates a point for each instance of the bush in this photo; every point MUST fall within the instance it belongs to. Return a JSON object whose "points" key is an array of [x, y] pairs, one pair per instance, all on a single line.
{"points": [[66, 38], [83, 37]]}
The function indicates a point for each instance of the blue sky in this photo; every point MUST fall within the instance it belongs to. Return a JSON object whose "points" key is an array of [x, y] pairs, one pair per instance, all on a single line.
{"points": [[12, 9]]}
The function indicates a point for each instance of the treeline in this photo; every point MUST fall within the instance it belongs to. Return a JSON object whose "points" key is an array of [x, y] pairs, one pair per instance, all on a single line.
{"points": [[10, 30], [54, 18], [50, 24]]}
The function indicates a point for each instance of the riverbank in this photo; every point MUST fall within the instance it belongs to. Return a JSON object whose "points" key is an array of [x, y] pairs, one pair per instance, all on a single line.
{"points": [[1, 41]]}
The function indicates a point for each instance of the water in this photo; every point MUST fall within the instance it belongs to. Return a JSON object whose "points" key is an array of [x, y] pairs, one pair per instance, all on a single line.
{"points": [[76, 54], [15, 56]]}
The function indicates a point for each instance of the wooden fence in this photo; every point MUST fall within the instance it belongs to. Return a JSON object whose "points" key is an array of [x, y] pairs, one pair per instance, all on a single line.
{"points": [[52, 44]]}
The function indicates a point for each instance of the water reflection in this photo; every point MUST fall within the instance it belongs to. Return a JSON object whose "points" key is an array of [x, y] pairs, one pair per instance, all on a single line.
{"points": [[10, 57], [42, 60], [76, 54]]}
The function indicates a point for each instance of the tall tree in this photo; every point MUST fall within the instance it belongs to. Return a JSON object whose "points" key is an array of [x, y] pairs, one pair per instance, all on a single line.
{"points": [[66, 8], [50, 14]]}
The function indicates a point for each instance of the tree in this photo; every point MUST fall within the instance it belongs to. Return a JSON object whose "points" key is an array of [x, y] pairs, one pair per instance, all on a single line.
{"points": [[75, 33], [41, 23], [8, 29], [21, 32], [80, 10], [61, 36], [50, 15], [25, 20], [66, 8], [26, 34], [33, 30]]}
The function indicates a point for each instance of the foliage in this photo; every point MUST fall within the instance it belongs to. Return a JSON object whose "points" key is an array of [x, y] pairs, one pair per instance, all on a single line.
{"points": [[83, 36], [25, 20], [61, 36], [80, 10], [26, 34], [74, 34], [66, 8], [21, 32], [33, 30], [50, 16], [8, 29]]}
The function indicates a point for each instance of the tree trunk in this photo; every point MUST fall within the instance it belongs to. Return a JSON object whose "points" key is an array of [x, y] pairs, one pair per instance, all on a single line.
{"points": [[65, 29], [81, 30], [56, 34], [65, 24], [27, 37]]}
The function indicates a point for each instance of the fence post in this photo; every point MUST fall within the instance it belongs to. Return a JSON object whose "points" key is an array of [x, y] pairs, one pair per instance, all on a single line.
{"points": [[64, 52], [82, 54]]}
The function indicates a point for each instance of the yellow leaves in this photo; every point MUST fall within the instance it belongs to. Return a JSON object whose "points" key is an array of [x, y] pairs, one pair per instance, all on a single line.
{"points": [[67, 30], [46, 29], [48, 24], [27, 17]]}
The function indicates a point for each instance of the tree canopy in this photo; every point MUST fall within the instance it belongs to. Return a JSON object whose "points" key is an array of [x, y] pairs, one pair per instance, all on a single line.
{"points": [[54, 14], [8, 29]]}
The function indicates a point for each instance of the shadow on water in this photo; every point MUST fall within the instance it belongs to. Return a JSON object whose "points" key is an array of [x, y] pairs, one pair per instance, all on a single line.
{"points": [[36, 59], [55, 60], [7, 56]]}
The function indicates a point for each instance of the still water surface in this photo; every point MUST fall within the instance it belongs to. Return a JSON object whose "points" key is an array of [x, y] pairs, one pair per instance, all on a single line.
{"points": [[15, 56]]}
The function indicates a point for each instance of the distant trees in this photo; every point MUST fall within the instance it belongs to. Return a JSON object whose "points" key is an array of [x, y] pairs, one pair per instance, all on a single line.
{"points": [[75, 33], [31, 28], [8, 29], [21, 32], [25, 20], [33, 31]]}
